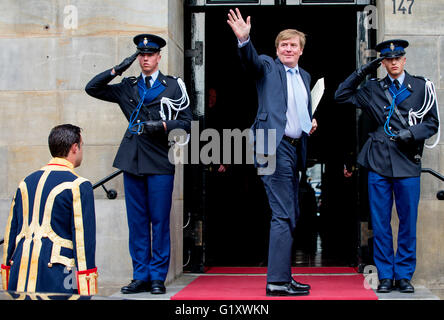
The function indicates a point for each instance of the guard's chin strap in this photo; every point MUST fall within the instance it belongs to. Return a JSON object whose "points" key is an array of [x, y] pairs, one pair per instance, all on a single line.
{"points": [[176, 105], [429, 100]]}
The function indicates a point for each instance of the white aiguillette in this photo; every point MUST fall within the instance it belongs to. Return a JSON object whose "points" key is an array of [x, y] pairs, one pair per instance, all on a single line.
{"points": [[316, 94]]}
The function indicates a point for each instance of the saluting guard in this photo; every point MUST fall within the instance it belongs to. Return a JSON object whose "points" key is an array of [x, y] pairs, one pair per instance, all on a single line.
{"points": [[154, 104], [405, 111], [51, 228]]}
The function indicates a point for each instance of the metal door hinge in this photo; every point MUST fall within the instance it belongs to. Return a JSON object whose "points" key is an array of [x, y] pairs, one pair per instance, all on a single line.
{"points": [[197, 53]]}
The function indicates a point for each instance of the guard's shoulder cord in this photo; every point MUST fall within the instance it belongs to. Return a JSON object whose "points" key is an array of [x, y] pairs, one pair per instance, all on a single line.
{"points": [[429, 100], [176, 105]]}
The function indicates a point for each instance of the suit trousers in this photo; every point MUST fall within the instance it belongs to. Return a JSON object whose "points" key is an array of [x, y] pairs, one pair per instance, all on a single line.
{"points": [[282, 189], [406, 192], [148, 206]]}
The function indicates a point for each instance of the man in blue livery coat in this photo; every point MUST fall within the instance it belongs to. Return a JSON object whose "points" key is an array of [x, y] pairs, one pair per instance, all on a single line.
{"points": [[51, 228], [404, 114], [284, 114], [154, 104]]}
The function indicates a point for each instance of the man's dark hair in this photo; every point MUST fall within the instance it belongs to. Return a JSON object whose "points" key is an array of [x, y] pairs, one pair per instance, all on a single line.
{"points": [[61, 138]]}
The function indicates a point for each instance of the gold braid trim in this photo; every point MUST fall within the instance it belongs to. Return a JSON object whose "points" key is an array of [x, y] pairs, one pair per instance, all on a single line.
{"points": [[34, 233], [24, 233], [87, 280], [79, 236], [5, 276], [7, 233], [4, 267]]}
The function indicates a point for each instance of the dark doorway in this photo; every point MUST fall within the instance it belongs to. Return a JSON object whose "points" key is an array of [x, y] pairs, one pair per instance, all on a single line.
{"points": [[236, 215]]}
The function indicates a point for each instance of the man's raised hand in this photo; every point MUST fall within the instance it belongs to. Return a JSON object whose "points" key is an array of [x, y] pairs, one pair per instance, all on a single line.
{"points": [[240, 28], [126, 63]]}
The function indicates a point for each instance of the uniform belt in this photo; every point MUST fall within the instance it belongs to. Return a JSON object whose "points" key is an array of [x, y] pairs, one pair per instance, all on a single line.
{"points": [[293, 141]]}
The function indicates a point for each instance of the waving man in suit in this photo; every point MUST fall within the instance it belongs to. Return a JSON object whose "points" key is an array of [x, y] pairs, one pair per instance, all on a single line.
{"points": [[284, 99]]}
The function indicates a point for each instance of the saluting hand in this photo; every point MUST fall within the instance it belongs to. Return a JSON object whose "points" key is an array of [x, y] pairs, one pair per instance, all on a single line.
{"points": [[370, 67], [125, 64], [240, 28]]}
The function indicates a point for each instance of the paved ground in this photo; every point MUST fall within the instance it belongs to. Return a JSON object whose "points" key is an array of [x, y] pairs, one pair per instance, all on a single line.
{"points": [[113, 291]]}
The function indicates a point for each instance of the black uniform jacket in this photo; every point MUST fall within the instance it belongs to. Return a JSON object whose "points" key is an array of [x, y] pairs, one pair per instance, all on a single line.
{"points": [[142, 153], [380, 153]]}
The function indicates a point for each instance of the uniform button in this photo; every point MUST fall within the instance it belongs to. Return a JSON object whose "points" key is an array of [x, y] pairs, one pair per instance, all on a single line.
{"points": [[49, 265]]}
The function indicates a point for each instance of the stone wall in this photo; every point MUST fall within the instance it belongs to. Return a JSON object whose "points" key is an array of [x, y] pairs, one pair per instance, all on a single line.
{"points": [[45, 63], [424, 30]]}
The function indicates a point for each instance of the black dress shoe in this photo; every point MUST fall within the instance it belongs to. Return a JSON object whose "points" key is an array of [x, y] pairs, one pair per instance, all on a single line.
{"points": [[404, 286], [157, 287], [299, 286], [136, 286], [284, 290], [385, 286]]}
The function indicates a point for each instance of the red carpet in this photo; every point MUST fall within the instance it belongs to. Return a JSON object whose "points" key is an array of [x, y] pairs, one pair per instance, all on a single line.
{"points": [[294, 270], [230, 287]]}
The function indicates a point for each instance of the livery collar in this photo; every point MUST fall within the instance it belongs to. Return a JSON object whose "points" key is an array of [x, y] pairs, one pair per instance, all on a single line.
{"points": [[61, 162]]}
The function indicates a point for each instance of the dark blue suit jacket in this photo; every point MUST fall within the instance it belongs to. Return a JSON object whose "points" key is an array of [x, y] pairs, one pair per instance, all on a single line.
{"points": [[271, 84]]}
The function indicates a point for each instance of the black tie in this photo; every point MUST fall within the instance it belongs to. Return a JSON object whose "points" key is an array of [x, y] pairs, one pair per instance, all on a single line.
{"points": [[396, 82], [147, 82]]}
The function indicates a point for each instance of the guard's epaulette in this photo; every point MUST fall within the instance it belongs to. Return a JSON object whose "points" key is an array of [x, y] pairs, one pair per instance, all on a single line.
{"points": [[172, 77], [421, 77]]}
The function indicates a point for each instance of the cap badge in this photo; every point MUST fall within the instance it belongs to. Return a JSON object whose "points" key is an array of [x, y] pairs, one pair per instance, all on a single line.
{"points": [[392, 46], [145, 41]]}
